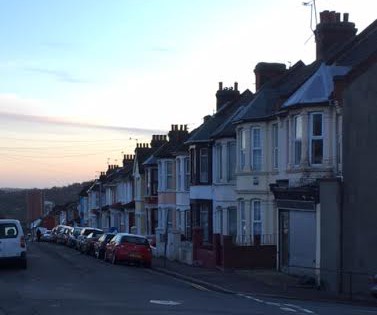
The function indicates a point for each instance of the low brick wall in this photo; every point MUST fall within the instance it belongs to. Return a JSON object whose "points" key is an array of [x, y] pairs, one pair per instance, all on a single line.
{"points": [[248, 257]]}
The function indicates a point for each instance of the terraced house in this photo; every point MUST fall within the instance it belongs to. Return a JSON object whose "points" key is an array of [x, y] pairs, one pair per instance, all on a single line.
{"points": [[268, 179]]}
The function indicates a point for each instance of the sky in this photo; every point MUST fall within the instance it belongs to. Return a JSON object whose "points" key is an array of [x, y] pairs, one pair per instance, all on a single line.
{"points": [[82, 82]]}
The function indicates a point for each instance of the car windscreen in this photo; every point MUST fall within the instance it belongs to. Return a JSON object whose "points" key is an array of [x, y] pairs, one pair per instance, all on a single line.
{"points": [[135, 240], [8, 230]]}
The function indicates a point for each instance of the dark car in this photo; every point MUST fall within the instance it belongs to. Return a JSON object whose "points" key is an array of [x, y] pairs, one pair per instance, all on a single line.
{"points": [[100, 245], [130, 248], [83, 234], [87, 245]]}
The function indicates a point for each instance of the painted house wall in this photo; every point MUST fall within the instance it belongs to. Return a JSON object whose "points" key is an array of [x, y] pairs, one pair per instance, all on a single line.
{"points": [[360, 182], [224, 186]]}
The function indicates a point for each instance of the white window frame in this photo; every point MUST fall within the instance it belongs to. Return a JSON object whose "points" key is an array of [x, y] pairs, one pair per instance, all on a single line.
{"points": [[169, 175], [179, 174], [256, 218], [242, 221], [186, 163], [313, 137], [204, 165], [256, 148], [297, 139], [275, 146], [219, 162], [242, 137], [231, 156]]}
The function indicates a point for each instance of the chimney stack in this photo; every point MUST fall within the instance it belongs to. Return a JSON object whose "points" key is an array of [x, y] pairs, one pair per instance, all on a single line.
{"points": [[224, 95], [266, 71], [331, 33]]}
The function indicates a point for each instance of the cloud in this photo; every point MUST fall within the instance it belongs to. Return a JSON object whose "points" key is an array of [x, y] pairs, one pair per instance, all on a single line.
{"points": [[65, 122], [58, 74]]}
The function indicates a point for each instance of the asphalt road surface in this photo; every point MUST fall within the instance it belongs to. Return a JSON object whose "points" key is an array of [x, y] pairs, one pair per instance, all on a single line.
{"points": [[60, 280]]}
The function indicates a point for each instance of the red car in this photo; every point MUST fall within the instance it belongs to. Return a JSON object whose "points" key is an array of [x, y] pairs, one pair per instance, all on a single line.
{"points": [[131, 248]]}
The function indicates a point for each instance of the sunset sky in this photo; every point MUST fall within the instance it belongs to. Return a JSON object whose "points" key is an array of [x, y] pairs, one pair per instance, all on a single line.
{"points": [[83, 81]]}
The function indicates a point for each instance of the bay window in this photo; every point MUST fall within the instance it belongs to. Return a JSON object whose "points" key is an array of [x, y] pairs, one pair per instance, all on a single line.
{"points": [[203, 165], [231, 155], [242, 137], [256, 149], [169, 175], [297, 139], [275, 146], [256, 220], [316, 138]]}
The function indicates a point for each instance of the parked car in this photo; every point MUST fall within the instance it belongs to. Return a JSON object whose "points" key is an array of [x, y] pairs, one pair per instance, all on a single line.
{"points": [[62, 237], [73, 235], [46, 236], [373, 286], [56, 232], [87, 245], [83, 234], [100, 245], [12, 242], [131, 248]]}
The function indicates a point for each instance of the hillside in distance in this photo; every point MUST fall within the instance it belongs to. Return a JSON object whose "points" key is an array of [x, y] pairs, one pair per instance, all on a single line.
{"points": [[13, 200]]}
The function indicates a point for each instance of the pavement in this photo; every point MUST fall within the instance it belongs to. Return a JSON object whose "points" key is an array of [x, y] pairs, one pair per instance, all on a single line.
{"points": [[257, 282]]}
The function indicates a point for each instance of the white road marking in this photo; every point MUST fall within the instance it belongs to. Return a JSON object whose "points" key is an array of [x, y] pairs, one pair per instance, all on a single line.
{"points": [[288, 309], [163, 302], [199, 287], [273, 303]]}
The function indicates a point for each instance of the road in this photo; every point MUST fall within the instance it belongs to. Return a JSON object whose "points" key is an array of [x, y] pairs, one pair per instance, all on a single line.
{"points": [[60, 280]]}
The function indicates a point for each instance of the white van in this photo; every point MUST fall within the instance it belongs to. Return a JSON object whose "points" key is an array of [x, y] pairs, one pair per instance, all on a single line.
{"points": [[12, 242]]}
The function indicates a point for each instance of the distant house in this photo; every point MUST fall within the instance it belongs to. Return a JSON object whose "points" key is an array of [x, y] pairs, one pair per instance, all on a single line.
{"points": [[169, 225]]}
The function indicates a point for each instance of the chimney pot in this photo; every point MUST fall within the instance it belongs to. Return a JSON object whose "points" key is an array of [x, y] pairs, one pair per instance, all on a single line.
{"points": [[236, 86], [220, 86], [345, 17]]}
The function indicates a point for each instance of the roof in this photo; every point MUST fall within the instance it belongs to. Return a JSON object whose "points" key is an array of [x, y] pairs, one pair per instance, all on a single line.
{"points": [[204, 132], [319, 87], [175, 144], [227, 128], [357, 49], [268, 99]]}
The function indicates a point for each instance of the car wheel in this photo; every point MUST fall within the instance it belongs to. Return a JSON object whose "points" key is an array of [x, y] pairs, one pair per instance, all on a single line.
{"points": [[148, 264], [24, 264], [114, 259]]}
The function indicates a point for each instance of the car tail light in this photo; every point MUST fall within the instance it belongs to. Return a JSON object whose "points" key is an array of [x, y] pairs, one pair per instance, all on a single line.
{"points": [[22, 242]]}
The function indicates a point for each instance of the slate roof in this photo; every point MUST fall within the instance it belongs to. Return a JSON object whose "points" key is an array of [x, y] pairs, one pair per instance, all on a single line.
{"points": [[270, 97], [319, 87], [227, 128], [170, 148], [357, 49], [205, 131]]}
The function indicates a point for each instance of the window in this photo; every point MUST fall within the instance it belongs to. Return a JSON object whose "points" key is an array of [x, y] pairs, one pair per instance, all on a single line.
{"points": [[275, 146], [204, 222], [160, 175], [242, 136], [231, 160], [8, 230], [242, 220], [179, 175], [256, 153], [297, 139], [188, 224], [219, 162], [316, 138], [256, 220], [187, 173], [154, 181], [232, 221], [219, 220], [193, 165], [169, 175], [204, 165]]}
